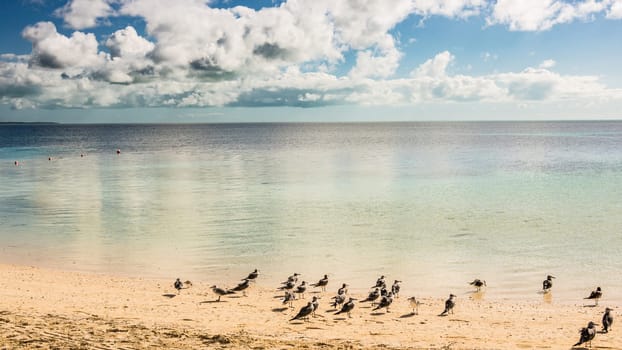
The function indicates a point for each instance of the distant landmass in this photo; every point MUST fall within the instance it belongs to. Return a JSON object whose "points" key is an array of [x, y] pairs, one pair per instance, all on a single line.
{"points": [[28, 123]]}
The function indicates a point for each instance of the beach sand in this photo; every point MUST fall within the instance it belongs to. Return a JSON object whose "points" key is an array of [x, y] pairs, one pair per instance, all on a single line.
{"points": [[51, 309]]}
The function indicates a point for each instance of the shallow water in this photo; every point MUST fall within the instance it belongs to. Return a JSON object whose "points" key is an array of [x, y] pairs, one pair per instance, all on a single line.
{"points": [[432, 204]]}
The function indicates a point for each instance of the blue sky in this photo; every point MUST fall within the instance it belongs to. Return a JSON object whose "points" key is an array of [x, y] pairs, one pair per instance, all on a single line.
{"points": [[218, 61]]}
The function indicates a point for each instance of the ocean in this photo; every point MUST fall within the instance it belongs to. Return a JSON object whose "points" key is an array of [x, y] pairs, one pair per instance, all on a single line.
{"points": [[434, 205]]}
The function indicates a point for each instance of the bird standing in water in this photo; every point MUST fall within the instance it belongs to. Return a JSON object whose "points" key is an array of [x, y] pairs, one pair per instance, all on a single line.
{"points": [[478, 284], [587, 334], [607, 320], [596, 294], [449, 305], [547, 284]]}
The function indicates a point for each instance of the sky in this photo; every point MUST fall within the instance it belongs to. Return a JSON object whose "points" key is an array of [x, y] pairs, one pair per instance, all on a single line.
{"points": [[98, 61]]}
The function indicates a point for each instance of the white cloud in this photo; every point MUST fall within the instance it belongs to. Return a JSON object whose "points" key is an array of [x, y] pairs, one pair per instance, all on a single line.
{"points": [[537, 15], [127, 43], [283, 55], [548, 64], [615, 11], [82, 14], [53, 50]]}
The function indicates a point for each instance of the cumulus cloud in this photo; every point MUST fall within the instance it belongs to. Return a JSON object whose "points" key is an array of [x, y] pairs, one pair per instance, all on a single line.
{"points": [[536, 15], [194, 55], [82, 14], [615, 11], [53, 50]]}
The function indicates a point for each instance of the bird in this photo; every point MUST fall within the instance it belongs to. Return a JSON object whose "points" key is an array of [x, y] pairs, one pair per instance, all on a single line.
{"points": [[595, 294], [252, 276], [414, 303], [338, 300], [587, 334], [178, 285], [301, 289], [289, 297], [304, 312], [380, 283], [220, 291], [315, 303], [547, 284], [478, 284], [607, 320], [288, 285], [385, 302], [322, 283], [343, 289], [241, 287], [292, 279], [372, 296], [449, 305], [347, 307], [395, 288]]}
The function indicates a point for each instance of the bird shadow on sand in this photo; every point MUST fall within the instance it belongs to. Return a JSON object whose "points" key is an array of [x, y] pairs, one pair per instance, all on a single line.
{"points": [[340, 318], [410, 314], [280, 309], [169, 295], [365, 307], [235, 296], [590, 305], [212, 301], [331, 310], [377, 313]]}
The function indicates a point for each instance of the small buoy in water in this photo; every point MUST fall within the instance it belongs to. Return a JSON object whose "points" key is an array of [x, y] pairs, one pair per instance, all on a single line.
{"points": [[16, 163], [81, 155], [118, 151], [49, 158]]}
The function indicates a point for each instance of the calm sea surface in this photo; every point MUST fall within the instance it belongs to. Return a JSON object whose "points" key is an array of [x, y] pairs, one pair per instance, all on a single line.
{"points": [[432, 204]]}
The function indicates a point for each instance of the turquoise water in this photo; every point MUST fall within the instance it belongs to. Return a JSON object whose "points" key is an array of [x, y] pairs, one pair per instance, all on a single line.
{"points": [[432, 204]]}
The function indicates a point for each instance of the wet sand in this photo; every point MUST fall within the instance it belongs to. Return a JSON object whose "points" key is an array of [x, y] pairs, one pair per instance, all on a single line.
{"points": [[52, 309]]}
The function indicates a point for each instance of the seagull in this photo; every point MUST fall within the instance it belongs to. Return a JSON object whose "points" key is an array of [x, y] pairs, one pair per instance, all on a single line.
{"points": [[414, 303], [373, 295], [343, 289], [321, 283], [607, 320], [252, 276], [395, 288], [596, 294], [289, 298], [478, 284], [220, 292], [547, 284], [301, 289], [347, 307], [242, 286], [292, 279], [315, 303], [178, 285], [304, 312], [380, 283], [385, 302], [338, 300], [288, 285], [587, 334], [449, 305]]}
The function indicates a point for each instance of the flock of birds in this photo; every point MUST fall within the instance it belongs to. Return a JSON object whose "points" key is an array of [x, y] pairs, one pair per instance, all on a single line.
{"points": [[381, 297]]}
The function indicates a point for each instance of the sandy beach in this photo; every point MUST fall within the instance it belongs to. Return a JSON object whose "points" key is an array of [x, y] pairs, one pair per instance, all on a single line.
{"points": [[52, 309]]}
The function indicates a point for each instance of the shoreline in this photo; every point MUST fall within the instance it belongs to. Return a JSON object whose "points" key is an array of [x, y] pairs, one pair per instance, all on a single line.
{"points": [[54, 308]]}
